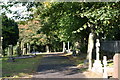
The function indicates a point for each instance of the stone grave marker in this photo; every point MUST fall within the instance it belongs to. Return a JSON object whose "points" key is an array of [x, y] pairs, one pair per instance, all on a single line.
{"points": [[1, 51], [68, 47], [24, 51], [10, 50], [18, 49], [63, 47], [105, 75], [97, 66], [28, 48], [116, 61]]}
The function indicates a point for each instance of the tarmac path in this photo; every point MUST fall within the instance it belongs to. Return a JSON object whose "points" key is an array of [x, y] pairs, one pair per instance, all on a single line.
{"points": [[59, 66]]}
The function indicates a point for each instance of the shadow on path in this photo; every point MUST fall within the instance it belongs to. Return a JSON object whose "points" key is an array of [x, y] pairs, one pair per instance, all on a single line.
{"points": [[57, 66]]}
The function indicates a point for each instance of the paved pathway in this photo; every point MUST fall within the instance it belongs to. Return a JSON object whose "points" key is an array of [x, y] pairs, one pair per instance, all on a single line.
{"points": [[59, 66]]}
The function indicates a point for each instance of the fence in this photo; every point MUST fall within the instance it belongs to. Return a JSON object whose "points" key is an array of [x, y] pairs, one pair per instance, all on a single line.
{"points": [[110, 46], [113, 46]]}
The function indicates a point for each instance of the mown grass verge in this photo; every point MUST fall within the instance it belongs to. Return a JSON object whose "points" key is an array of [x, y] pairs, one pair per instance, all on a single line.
{"points": [[20, 68]]}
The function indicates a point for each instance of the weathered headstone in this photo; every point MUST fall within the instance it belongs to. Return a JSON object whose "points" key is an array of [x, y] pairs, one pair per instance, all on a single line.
{"points": [[24, 51], [28, 48], [105, 75], [18, 50], [10, 50], [68, 47], [63, 47], [97, 66], [116, 72]]}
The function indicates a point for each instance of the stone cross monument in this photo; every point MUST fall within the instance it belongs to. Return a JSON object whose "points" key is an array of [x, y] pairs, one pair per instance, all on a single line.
{"points": [[97, 49], [105, 75], [97, 66]]}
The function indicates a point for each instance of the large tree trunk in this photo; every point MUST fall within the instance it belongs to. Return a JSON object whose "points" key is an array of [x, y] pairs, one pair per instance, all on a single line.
{"points": [[90, 49]]}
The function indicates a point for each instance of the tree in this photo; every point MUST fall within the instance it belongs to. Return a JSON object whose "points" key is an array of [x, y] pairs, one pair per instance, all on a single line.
{"points": [[102, 17], [65, 20], [10, 31]]}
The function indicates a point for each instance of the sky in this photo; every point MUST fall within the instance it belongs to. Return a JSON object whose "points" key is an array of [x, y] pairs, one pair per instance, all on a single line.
{"points": [[21, 11]]}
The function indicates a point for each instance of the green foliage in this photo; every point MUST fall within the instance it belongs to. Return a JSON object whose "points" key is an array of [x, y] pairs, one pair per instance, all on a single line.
{"points": [[73, 21], [10, 31], [70, 21], [62, 19], [105, 18]]}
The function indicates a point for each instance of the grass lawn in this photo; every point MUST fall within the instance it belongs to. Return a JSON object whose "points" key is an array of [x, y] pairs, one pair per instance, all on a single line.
{"points": [[110, 63], [21, 67]]}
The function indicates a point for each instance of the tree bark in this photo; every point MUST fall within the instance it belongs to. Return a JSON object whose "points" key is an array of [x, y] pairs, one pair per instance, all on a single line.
{"points": [[90, 49]]}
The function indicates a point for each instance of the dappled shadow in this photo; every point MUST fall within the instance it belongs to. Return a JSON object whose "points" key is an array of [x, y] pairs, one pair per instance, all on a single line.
{"points": [[57, 64]]}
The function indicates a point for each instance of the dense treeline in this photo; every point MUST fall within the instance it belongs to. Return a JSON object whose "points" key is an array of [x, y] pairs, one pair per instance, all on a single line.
{"points": [[57, 22], [10, 31], [73, 21]]}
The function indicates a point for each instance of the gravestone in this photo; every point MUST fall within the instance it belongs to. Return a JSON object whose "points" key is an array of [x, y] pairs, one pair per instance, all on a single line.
{"points": [[116, 61], [24, 51], [28, 48], [18, 49], [22, 46], [105, 75], [10, 50], [63, 47], [1, 51], [97, 66], [68, 47]]}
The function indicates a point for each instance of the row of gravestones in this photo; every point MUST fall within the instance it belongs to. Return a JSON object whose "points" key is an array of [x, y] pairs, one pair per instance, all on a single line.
{"points": [[20, 49], [116, 67], [97, 66]]}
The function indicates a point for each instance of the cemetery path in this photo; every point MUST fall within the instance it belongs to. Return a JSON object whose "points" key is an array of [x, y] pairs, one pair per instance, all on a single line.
{"points": [[59, 66]]}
